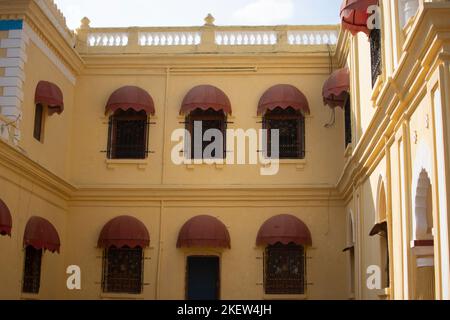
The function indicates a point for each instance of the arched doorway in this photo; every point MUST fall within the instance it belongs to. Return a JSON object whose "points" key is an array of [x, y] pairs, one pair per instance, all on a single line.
{"points": [[423, 243]]}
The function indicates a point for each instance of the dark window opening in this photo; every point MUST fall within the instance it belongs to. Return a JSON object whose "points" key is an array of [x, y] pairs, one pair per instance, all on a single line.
{"points": [[348, 122], [128, 135], [285, 269], [375, 54], [291, 126], [32, 270], [38, 122], [123, 270], [209, 119]]}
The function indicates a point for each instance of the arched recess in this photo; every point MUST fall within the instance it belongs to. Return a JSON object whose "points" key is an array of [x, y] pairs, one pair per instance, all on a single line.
{"points": [[350, 250], [422, 243]]}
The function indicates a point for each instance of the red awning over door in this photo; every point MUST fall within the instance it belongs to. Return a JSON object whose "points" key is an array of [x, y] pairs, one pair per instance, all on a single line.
{"points": [[204, 231]]}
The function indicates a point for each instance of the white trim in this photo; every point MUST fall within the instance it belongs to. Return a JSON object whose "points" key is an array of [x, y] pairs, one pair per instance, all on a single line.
{"points": [[49, 53], [63, 30]]}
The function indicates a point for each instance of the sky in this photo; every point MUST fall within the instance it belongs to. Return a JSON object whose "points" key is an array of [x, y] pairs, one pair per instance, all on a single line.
{"points": [[126, 13]]}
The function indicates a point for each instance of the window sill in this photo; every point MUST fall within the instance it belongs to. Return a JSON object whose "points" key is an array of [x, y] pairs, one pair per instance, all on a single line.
{"points": [[29, 296], [121, 296], [285, 297], [191, 165], [384, 294], [348, 151], [377, 89], [299, 164], [115, 163]]}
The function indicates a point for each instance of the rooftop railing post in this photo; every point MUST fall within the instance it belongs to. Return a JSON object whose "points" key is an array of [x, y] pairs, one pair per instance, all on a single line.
{"points": [[133, 40], [208, 37], [82, 35]]}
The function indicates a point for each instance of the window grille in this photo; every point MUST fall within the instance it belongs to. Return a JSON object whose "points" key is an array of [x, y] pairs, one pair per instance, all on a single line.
{"points": [[123, 270], [375, 54], [128, 135], [291, 126], [32, 270], [285, 269], [348, 123], [209, 119]]}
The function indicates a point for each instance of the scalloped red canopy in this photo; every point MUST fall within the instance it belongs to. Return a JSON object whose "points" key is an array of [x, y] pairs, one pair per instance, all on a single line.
{"points": [[41, 234], [283, 96], [204, 231], [124, 231], [131, 97], [5, 219], [49, 94], [206, 97], [336, 88], [284, 229], [354, 16]]}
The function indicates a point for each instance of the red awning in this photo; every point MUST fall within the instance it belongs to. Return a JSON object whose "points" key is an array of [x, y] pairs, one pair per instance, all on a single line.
{"points": [[206, 97], [204, 231], [5, 219], [283, 96], [379, 229], [41, 234], [354, 16], [49, 94], [124, 231], [336, 88], [130, 97], [284, 229]]}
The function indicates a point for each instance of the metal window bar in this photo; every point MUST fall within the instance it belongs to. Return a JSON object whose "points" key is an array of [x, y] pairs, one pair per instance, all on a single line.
{"points": [[291, 133], [210, 119], [285, 269], [128, 136], [375, 54], [123, 270], [348, 123], [32, 270]]}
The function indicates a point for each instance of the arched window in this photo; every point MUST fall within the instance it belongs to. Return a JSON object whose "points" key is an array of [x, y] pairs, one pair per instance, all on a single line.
{"points": [[285, 238], [123, 240], [423, 249], [381, 229], [206, 108], [129, 108]]}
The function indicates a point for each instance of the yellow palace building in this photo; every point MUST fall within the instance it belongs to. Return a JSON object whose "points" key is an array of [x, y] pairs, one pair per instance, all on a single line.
{"points": [[105, 192]]}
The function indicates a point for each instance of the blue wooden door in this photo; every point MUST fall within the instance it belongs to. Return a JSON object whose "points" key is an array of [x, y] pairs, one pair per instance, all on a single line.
{"points": [[203, 278]]}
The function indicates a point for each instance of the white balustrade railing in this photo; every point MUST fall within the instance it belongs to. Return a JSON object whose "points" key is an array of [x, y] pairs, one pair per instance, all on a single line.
{"points": [[300, 37], [173, 38], [246, 38], [116, 39], [228, 36]]}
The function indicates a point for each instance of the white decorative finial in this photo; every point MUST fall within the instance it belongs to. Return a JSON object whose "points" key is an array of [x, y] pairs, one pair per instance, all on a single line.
{"points": [[85, 23], [209, 20]]}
